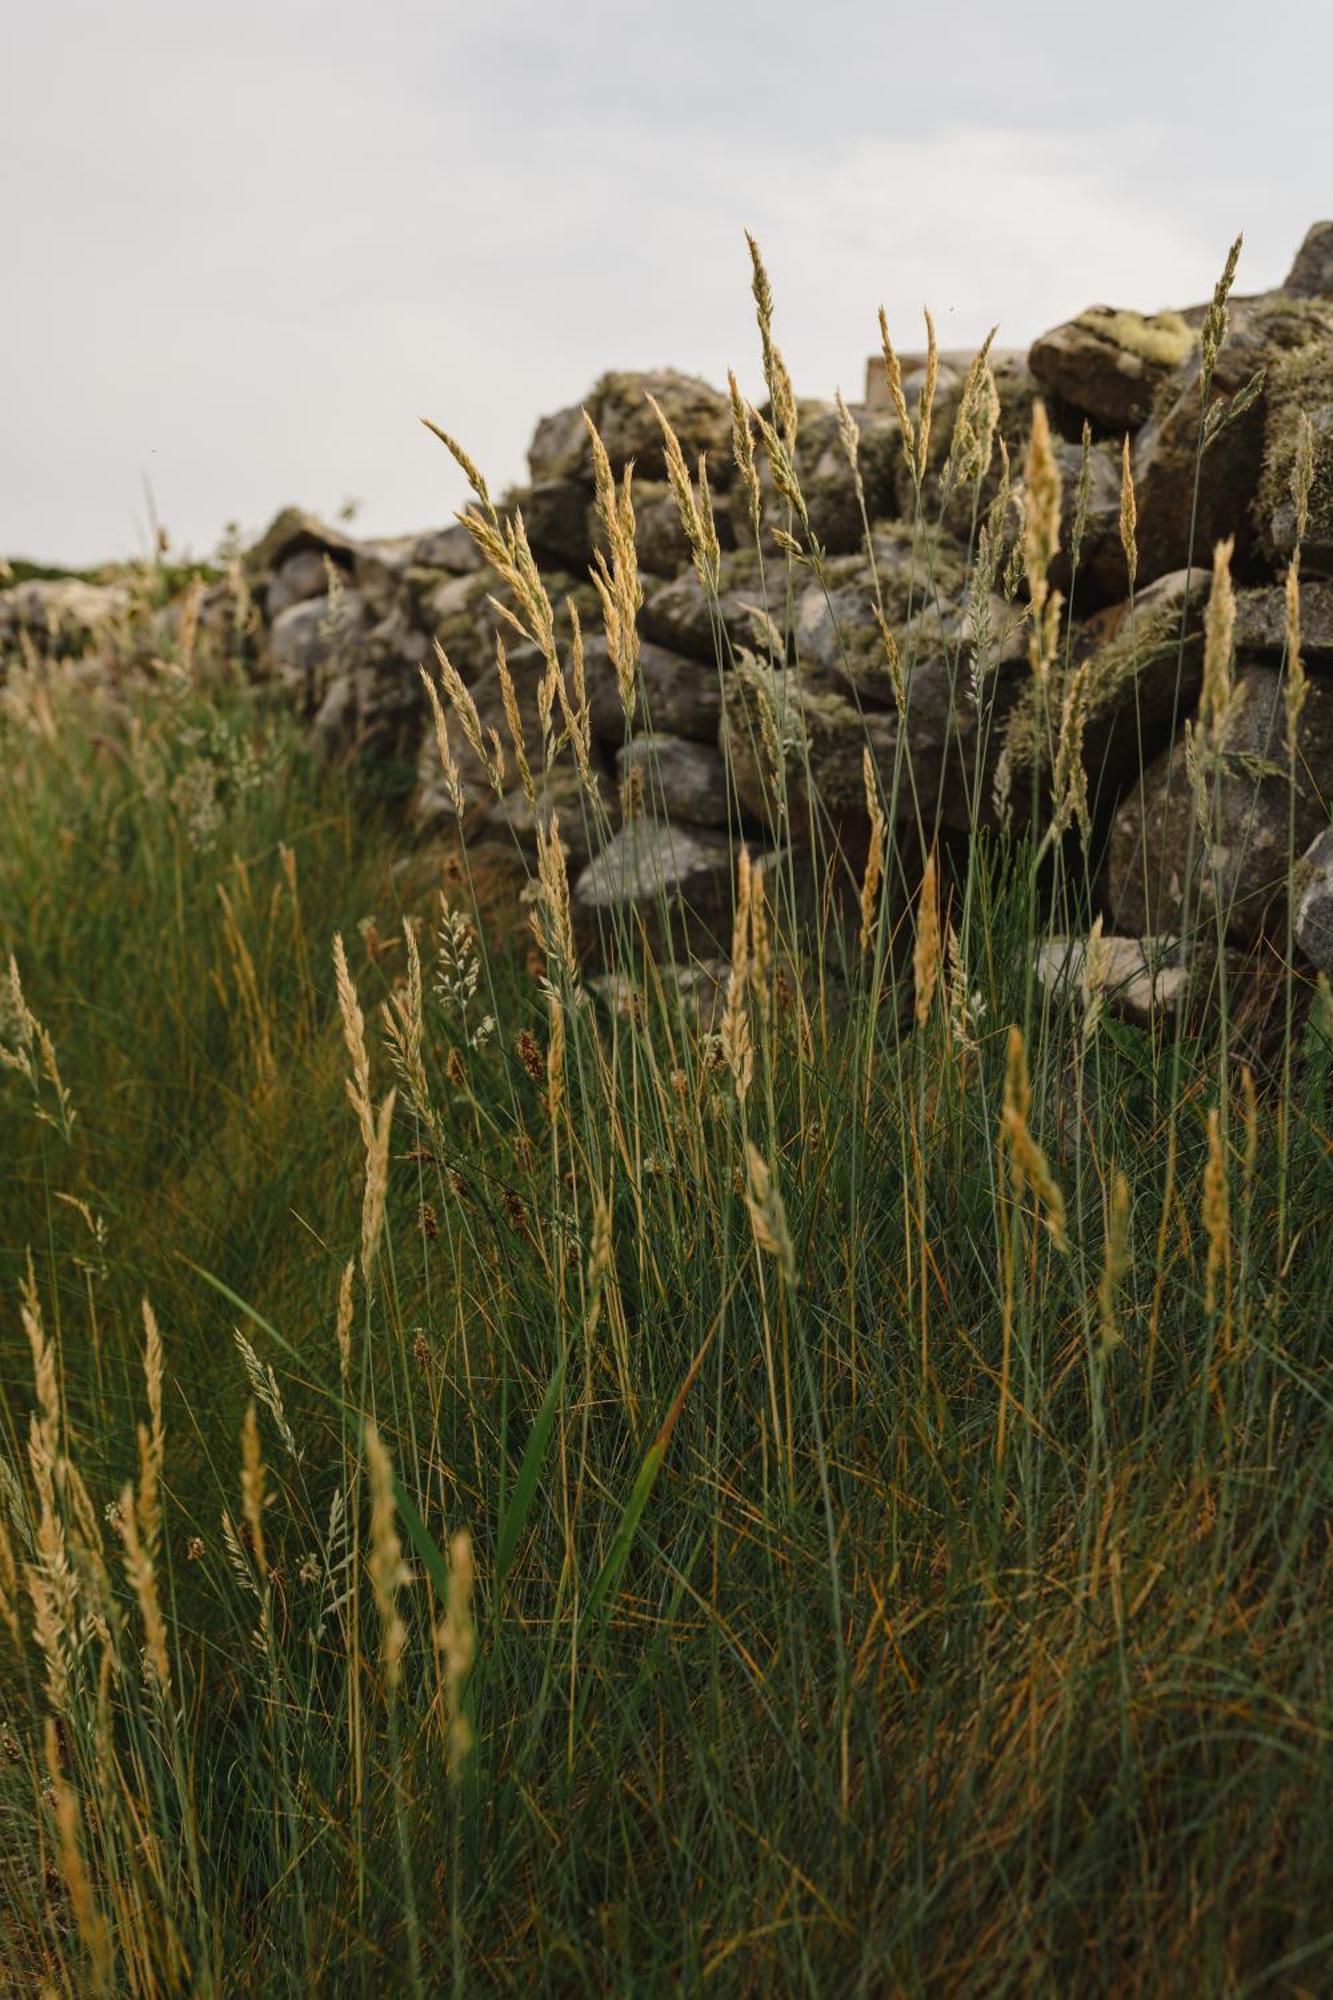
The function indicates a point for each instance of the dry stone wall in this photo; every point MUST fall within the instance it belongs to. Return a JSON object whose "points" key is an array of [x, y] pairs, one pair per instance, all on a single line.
{"points": [[342, 626]]}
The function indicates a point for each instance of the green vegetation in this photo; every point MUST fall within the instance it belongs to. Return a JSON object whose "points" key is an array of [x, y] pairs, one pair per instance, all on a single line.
{"points": [[829, 1499]]}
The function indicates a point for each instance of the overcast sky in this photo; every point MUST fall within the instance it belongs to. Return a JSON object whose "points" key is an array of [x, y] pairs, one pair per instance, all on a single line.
{"points": [[245, 245]]}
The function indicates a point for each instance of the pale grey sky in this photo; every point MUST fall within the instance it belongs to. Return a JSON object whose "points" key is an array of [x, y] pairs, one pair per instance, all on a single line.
{"points": [[246, 244]]}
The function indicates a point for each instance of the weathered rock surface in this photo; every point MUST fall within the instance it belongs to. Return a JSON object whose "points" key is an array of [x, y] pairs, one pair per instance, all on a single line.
{"points": [[62, 617], [1264, 333], [680, 696], [679, 614], [618, 404], [681, 781], [1108, 364], [649, 866], [1160, 859], [1138, 978], [1314, 909], [1311, 276]]}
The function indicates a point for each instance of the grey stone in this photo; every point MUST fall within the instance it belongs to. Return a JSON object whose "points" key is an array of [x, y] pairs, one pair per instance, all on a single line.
{"points": [[1108, 364], [63, 616], [297, 578], [618, 405], [310, 642], [1242, 864], [648, 865], [682, 781], [1261, 621], [1278, 519], [560, 521], [1314, 910], [677, 695], [679, 614], [1311, 276], [1263, 334], [1139, 978], [293, 531], [558, 792]]}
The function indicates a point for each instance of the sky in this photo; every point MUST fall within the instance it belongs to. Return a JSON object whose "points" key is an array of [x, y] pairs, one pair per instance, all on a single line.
{"points": [[244, 246]]}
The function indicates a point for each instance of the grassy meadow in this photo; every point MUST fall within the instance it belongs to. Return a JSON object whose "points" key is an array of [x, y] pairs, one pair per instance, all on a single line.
{"points": [[505, 1493]]}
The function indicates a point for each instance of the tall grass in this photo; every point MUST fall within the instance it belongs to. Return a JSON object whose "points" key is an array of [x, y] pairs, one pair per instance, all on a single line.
{"points": [[827, 1494]]}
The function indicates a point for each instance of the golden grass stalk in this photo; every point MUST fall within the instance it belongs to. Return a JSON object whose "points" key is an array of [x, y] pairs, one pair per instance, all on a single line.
{"points": [[9, 1586], [874, 869], [781, 394], [388, 1572], [550, 915], [1216, 1214], [894, 375], [354, 1035], [768, 1215], [1027, 1162], [342, 1330], [456, 1639], [926, 951], [254, 1497], [377, 1185], [573, 699], [1129, 514], [453, 782], [1296, 687], [152, 1442], [1216, 696], [94, 1932], [514, 723], [742, 450], [142, 1575], [1041, 528], [1115, 1259], [927, 396], [555, 1054], [737, 1044], [616, 581], [465, 465]]}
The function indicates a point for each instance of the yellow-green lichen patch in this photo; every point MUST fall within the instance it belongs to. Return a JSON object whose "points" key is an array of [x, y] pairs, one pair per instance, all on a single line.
{"points": [[1299, 380], [1164, 339]]}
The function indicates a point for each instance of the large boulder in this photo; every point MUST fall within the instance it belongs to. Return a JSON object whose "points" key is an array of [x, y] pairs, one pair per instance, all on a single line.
{"points": [[1301, 387], [313, 641], [1242, 862], [1108, 364], [64, 616], [796, 746], [1311, 276], [1135, 670], [618, 404], [677, 695], [682, 616], [1266, 334], [1261, 621], [295, 532], [680, 781], [649, 870]]}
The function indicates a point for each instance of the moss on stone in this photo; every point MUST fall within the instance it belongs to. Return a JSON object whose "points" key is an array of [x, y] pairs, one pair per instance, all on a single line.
{"points": [[1164, 339]]}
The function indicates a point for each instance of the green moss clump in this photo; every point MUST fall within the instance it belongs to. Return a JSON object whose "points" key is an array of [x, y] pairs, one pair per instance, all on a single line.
{"points": [[1164, 339]]}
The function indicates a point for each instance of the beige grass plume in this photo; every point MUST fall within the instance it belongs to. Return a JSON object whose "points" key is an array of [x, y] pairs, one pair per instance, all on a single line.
{"points": [[874, 868], [1028, 1164], [388, 1572], [926, 952], [1129, 514]]}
